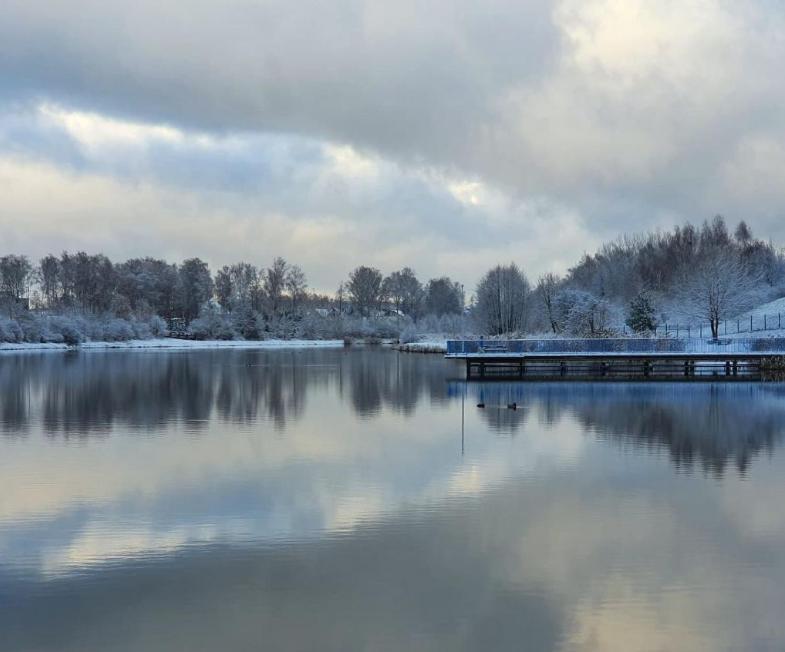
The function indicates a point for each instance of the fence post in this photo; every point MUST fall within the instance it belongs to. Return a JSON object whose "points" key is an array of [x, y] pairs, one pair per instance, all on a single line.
{"points": [[700, 326], [750, 323], [689, 334], [779, 320], [765, 327], [725, 326], [677, 331], [738, 324], [666, 329]]}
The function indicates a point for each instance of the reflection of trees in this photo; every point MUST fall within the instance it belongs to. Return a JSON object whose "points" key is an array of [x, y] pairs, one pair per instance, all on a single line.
{"points": [[706, 424], [377, 378], [86, 393]]}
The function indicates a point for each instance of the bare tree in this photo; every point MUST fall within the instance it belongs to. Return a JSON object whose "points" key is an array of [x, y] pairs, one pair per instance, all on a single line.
{"points": [[275, 283], [443, 296], [501, 299], [223, 287], [365, 288], [296, 285], [720, 286], [48, 275], [340, 296], [15, 274], [547, 286], [404, 291], [245, 283], [194, 287]]}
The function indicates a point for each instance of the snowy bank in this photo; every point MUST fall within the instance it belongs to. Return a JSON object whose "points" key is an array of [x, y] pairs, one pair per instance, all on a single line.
{"points": [[425, 346], [173, 344]]}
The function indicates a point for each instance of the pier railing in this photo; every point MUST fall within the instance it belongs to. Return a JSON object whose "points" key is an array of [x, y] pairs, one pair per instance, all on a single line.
{"points": [[616, 346]]}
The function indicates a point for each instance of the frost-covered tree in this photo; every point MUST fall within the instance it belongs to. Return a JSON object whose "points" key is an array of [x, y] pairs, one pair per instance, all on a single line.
{"points": [[149, 284], [48, 275], [88, 282], [15, 275], [501, 299], [582, 313], [365, 288], [223, 287], [275, 284], [340, 297], [443, 296], [296, 285], [720, 286], [404, 292], [244, 284], [743, 234], [194, 288], [547, 286]]}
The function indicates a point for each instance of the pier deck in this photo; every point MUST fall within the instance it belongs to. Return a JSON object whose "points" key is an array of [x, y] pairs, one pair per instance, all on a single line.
{"points": [[620, 358]]}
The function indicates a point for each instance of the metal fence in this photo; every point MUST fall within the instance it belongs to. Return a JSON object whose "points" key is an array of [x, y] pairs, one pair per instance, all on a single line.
{"points": [[774, 345], [751, 324]]}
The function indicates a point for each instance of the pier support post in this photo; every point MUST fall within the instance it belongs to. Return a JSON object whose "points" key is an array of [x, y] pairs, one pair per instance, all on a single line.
{"points": [[727, 367]]}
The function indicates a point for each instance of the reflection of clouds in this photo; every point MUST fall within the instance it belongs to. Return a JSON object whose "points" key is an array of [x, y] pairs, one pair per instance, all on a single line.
{"points": [[617, 559], [248, 483]]}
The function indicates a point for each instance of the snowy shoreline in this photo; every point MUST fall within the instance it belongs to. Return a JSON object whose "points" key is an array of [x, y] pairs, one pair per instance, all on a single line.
{"points": [[170, 344]]}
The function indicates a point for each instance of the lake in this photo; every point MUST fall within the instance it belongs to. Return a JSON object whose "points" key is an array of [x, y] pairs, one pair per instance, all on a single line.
{"points": [[358, 499]]}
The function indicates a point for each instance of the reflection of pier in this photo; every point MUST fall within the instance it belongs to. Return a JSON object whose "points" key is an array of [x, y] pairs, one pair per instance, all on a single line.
{"points": [[701, 425], [621, 358]]}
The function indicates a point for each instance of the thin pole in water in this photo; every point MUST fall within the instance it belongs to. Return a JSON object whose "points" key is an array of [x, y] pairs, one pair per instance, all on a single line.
{"points": [[463, 417]]}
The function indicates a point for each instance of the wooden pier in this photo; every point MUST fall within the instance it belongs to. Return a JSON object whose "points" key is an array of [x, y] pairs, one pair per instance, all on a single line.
{"points": [[621, 359]]}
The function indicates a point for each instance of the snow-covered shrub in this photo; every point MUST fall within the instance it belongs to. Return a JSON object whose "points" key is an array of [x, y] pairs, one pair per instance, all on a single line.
{"points": [[66, 329], [117, 330], [409, 334], [157, 326], [10, 331], [245, 323], [32, 326], [212, 325]]}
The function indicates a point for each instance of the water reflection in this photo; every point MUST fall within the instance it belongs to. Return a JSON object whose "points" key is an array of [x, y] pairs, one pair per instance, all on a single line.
{"points": [[320, 500], [83, 394], [709, 425]]}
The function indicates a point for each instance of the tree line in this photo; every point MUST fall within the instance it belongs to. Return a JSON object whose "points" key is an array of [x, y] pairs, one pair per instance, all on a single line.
{"points": [[237, 300], [695, 273]]}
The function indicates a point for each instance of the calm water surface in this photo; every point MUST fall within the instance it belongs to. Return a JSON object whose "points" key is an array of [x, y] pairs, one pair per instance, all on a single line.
{"points": [[359, 500]]}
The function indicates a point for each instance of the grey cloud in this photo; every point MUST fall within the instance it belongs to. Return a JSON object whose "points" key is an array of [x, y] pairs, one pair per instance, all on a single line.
{"points": [[630, 115]]}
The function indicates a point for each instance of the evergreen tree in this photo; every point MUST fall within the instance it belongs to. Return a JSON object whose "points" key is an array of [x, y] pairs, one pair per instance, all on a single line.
{"points": [[642, 316]]}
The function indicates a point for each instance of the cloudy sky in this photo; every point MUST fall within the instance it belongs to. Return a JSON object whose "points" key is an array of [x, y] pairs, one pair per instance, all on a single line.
{"points": [[444, 135]]}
